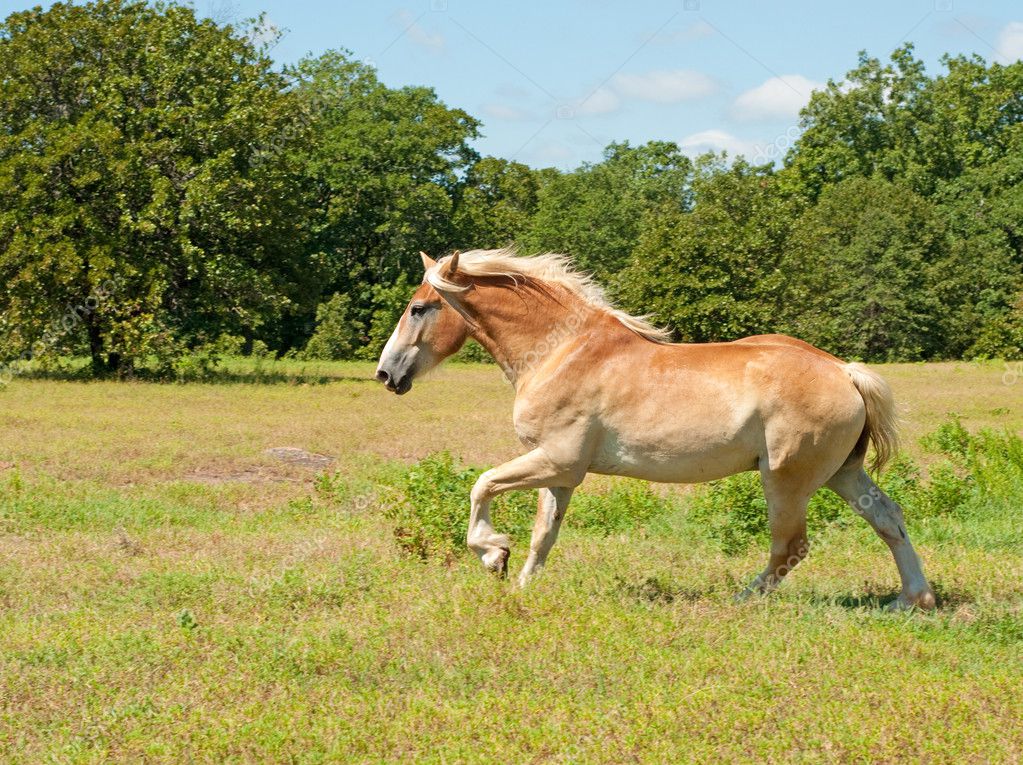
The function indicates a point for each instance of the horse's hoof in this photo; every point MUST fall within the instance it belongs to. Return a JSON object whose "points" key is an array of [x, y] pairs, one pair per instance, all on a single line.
{"points": [[923, 601], [496, 561]]}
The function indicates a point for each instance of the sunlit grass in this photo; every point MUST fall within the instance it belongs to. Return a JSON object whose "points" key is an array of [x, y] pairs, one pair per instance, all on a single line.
{"points": [[168, 592]]}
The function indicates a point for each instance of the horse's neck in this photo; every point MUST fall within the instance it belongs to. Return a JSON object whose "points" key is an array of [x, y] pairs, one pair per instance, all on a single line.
{"points": [[520, 328]]}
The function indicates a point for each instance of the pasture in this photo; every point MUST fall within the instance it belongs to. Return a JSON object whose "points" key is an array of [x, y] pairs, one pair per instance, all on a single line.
{"points": [[169, 592]]}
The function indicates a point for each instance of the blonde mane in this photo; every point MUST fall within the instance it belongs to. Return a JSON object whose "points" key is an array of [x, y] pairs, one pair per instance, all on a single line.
{"points": [[551, 268]]}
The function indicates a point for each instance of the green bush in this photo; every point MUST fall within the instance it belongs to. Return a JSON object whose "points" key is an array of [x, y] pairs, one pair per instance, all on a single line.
{"points": [[474, 353], [978, 470], [336, 334], [627, 505], [430, 505], [430, 509], [1001, 337], [733, 511], [388, 305]]}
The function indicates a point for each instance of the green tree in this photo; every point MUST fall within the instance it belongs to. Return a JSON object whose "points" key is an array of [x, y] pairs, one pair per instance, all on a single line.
{"points": [[713, 273], [130, 137], [860, 126], [595, 213], [336, 335], [498, 201], [384, 167], [860, 272]]}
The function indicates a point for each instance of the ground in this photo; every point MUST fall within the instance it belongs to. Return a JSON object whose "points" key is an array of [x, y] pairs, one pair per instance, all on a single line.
{"points": [[169, 591]]}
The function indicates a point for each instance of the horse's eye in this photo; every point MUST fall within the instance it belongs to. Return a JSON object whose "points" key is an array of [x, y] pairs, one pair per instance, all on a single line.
{"points": [[418, 309]]}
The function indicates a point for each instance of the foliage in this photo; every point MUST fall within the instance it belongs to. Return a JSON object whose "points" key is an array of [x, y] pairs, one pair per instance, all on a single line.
{"points": [[430, 510], [861, 269], [1001, 336], [595, 212], [388, 305], [627, 505], [162, 185], [384, 165], [335, 336], [978, 472], [474, 352], [713, 273], [498, 201], [128, 155]]}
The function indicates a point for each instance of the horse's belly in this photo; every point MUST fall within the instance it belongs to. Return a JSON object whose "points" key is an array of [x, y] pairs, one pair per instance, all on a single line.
{"points": [[671, 463]]}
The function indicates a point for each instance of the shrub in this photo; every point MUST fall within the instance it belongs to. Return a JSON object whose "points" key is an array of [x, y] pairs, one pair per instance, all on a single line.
{"points": [[978, 470], [430, 510], [733, 510], [474, 353], [627, 505], [1001, 337], [336, 333]]}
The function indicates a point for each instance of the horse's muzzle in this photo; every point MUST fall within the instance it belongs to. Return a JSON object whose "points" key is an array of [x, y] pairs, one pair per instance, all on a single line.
{"points": [[401, 386]]}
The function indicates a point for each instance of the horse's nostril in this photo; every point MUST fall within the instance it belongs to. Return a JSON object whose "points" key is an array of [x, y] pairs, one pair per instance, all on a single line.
{"points": [[383, 377]]}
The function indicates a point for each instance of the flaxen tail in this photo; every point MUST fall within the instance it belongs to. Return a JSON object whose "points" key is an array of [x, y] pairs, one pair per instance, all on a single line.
{"points": [[882, 426]]}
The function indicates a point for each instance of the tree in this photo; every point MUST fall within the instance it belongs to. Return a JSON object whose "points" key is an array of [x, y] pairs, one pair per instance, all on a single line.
{"points": [[594, 213], [336, 336], [498, 200], [712, 273], [860, 273], [859, 127], [384, 167], [129, 136]]}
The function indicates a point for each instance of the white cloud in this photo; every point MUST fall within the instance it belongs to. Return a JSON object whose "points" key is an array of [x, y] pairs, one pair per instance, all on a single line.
{"points": [[1010, 43], [506, 112], [777, 98], [417, 33], [716, 141], [601, 101], [665, 86]]}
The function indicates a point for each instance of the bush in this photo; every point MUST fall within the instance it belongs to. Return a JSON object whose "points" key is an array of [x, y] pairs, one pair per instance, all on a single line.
{"points": [[1002, 336], [474, 353], [978, 470], [431, 509], [336, 333], [388, 306], [430, 506], [629, 504]]}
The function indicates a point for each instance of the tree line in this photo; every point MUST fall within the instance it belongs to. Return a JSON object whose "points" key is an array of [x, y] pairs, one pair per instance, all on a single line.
{"points": [[238, 207]]}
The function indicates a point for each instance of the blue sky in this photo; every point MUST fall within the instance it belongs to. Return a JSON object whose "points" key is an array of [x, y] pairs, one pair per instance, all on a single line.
{"points": [[555, 81]]}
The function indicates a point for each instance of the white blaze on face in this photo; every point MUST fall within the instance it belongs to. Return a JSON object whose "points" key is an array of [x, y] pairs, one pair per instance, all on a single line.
{"points": [[388, 351]]}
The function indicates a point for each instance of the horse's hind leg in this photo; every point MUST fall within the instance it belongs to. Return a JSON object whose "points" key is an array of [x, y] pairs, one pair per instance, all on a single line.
{"points": [[786, 510], [853, 485]]}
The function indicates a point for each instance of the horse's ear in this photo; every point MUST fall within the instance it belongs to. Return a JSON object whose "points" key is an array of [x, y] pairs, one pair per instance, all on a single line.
{"points": [[428, 262], [453, 262]]}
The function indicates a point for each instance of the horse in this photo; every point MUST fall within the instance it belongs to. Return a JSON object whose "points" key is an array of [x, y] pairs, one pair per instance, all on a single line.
{"points": [[600, 391]]}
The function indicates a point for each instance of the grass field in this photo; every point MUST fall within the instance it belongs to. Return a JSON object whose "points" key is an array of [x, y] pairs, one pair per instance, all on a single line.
{"points": [[171, 593]]}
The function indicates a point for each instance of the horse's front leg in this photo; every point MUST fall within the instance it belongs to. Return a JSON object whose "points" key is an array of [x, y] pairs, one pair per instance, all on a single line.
{"points": [[550, 512], [532, 470]]}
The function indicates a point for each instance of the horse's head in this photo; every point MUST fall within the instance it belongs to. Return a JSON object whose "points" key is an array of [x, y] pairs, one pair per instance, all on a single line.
{"points": [[428, 332]]}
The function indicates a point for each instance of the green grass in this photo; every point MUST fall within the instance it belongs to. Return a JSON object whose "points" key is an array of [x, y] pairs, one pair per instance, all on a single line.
{"points": [[170, 593]]}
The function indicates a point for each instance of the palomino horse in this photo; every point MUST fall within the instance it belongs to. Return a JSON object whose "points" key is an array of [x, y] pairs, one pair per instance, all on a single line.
{"points": [[599, 391]]}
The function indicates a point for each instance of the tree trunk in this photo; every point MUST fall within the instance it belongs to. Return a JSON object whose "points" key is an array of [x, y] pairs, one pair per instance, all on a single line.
{"points": [[99, 363]]}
